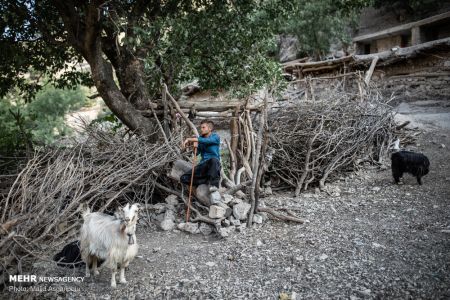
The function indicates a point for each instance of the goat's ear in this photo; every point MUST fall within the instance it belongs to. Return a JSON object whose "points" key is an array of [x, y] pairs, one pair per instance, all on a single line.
{"points": [[126, 208]]}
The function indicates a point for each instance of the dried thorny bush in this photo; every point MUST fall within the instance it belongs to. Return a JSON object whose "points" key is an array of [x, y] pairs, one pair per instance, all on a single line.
{"points": [[41, 211], [334, 133]]}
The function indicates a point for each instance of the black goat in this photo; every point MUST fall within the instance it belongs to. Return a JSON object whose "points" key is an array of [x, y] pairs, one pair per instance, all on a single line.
{"points": [[70, 256], [413, 163]]}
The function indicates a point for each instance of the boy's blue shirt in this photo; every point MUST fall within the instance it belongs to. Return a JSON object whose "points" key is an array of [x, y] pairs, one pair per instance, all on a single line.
{"points": [[209, 147]]}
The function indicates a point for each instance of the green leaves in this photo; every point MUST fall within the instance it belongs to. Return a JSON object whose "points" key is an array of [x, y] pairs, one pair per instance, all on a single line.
{"points": [[39, 122], [319, 23]]}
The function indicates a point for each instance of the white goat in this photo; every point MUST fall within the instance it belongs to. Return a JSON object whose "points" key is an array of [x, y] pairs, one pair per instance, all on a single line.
{"points": [[109, 238]]}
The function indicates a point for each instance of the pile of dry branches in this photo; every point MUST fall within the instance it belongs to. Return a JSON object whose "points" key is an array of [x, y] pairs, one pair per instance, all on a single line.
{"points": [[333, 133], [42, 207]]}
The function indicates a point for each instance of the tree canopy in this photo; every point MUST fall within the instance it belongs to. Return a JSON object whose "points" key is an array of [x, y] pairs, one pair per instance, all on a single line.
{"points": [[134, 46]]}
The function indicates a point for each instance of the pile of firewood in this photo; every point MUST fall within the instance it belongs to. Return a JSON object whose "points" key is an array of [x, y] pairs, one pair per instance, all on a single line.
{"points": [[41, 210], [313, 140]]}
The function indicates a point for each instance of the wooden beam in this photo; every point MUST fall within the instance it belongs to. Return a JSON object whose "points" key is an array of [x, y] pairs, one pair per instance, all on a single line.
{"points": [[401, 28]]}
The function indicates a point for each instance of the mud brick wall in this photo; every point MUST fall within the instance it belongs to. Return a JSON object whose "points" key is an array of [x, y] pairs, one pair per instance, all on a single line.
{"points": [[424, 77]]}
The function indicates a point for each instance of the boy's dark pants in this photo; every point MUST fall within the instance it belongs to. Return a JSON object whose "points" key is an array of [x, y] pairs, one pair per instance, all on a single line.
{"points": [[207, 172]]}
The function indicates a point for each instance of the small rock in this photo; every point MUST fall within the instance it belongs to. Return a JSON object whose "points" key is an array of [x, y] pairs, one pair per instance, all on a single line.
{"points": [[189, 227], [258, 219], [241, 210], [376, 189], [226, 223], [168, 221], [366, 292], [226, 198], [215, 198], [172, 200], [268, 191], [376, 245], [216, 212], [210, 264], [259, 243], [205, 229], [323, 257], [240, 228], [224, 232], [442, 146], [234, 201], [167, 224], [235, 222]]}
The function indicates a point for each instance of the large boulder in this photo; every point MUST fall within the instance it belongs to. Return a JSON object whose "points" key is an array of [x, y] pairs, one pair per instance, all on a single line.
{"points": [[179, 167], [206, 197]]}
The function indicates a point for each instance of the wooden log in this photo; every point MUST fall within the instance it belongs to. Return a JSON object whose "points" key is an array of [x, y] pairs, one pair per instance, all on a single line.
{"points": [[389, 57]]}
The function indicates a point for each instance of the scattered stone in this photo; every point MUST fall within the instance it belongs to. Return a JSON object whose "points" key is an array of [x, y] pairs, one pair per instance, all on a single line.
{"points": [[241, 210], [216, 212], [224, 232], [240, 228], [226, 198], [189, 227], [442, 146], [167, 224], [234, 201], [172, 200], [259, 243], [215, 198], [210, 264], [376, 189], [205, 229], [323, 257], [268, 191], [258, 219], [376, 245], [235, 222], [333, 191], [226, 223]]}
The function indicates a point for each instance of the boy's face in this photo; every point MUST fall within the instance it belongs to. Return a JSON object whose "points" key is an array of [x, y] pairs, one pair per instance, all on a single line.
{"points": [[205, 129]]}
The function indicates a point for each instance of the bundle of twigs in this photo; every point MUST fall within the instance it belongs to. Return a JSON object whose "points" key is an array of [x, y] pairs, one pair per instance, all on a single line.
{"points": [[42, 207], [313, 140]]}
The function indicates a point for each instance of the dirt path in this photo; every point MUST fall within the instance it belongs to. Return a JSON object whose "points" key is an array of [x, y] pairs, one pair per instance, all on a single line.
{"points": [[375, 240]]}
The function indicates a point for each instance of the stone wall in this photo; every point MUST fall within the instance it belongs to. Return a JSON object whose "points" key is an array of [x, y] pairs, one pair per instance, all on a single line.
{"points": [[426, 77]]}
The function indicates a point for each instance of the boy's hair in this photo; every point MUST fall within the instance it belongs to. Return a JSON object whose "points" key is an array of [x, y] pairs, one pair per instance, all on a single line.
{"points": [[209, 122]]}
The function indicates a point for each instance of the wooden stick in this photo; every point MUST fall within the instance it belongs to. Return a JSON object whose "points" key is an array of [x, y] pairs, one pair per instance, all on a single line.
{"points": [[280, 216], [183, 115], [371, 69]]}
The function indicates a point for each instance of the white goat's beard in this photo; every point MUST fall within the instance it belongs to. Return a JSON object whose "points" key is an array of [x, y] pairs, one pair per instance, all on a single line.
{"points": [[130, 240]]}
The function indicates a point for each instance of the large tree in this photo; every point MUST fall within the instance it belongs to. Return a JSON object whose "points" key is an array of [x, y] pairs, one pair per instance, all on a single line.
{"points": [[133, 46]]}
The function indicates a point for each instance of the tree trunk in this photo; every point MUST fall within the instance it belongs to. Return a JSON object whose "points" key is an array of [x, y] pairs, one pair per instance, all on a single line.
{"points": [[102, 75]]}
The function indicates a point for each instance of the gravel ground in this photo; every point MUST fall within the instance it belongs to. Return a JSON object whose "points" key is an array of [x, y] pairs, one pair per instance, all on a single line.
{"points": [[372, 240]]}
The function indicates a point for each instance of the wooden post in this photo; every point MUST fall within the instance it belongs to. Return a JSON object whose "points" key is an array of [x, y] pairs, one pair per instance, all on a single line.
{"points": [[371, 69], [166, 113], [416, 37]]}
